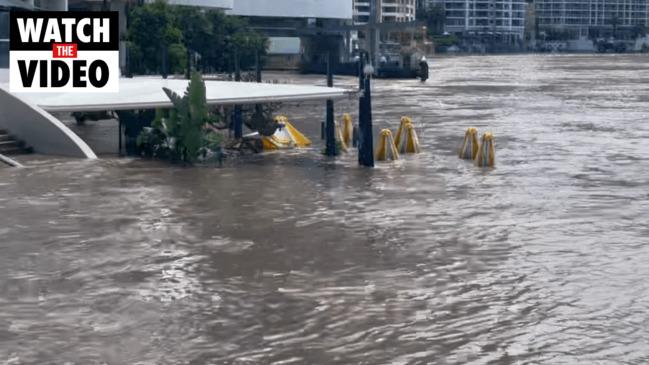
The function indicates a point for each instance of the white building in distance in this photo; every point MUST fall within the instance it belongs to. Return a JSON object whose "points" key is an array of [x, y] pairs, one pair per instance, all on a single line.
{"points": [[581, 16], [387, 11], [500, 18]]}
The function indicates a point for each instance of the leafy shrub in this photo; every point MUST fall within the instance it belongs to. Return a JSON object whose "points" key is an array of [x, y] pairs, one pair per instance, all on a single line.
{"points": [[184, 133]]}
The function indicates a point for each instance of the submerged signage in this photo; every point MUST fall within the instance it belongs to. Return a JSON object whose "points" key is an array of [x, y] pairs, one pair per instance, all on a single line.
{"points": [[64, 51]]}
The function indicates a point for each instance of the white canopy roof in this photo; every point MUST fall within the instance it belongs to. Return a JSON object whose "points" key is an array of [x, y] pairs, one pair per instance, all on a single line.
{"points": [[146, 93]]}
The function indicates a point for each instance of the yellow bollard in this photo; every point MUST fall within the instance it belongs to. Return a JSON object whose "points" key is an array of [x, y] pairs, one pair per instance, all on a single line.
{"points": [[348, 130], [299, 139], [386, 149], [487, 153], [402, 123], [340, 138], [286, 136], [470, 146], [409, 143]]}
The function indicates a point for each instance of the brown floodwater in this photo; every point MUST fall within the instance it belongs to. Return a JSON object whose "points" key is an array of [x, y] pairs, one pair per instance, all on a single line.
{"points": [[290, 258]]}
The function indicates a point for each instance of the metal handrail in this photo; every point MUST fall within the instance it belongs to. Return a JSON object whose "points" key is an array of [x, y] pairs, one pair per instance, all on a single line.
{"points": [[9, 161]]}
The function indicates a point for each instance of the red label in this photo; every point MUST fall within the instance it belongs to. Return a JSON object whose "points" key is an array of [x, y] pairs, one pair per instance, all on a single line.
{"points": [[64, 50]]}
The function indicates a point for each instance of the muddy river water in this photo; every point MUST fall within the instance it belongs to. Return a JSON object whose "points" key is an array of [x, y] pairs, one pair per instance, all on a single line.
{"points": [[289, 258]]}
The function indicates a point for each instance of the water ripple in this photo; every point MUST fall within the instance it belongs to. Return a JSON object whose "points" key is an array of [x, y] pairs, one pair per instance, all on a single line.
{"points": [[297, 259]]}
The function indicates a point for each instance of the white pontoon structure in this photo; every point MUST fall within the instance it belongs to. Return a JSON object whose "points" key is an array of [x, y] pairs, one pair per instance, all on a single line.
{"points": [[27, 115]]}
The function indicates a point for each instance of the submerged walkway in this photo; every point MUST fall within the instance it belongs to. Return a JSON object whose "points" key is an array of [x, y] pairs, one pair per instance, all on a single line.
{"points": [[28, 115]]}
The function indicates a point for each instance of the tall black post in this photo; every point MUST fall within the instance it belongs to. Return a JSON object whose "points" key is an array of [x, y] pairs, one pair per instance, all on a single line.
{"points": [[165, 61], [237, 66], [188, 73], [258, 108], [238, 122], [129, 72], [361, 65], [330, 126], [361, 85], [330, 73], [361, 82], [257, 67], [366, 139]]}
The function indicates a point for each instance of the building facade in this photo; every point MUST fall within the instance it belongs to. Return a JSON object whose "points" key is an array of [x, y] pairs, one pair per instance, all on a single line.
{"points": [[500, 18], [389, 31], [387, 11], [581, 17]]}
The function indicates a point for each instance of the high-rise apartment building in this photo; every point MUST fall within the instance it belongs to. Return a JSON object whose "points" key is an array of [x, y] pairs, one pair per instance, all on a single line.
{"points": [[505, 18], [393, 38], [387, 11], [583, 15]]}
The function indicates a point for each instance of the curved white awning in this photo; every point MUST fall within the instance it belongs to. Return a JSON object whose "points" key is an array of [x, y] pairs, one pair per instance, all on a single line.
{"points": [[146, 93]]}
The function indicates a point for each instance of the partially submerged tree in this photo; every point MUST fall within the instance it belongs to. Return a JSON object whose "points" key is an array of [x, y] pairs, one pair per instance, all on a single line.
{"points": [[187, 118], [185, 132]]}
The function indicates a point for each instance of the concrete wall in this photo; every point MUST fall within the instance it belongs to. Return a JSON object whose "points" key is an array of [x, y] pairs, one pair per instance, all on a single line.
{"points": [[284, 45], [283, 62], [580, 45], [39, 129], [335, 9]]}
